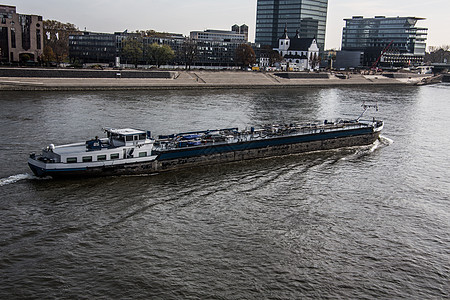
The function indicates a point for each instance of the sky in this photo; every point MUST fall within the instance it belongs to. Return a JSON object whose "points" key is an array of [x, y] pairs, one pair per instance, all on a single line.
{"points": [[183, 16]]}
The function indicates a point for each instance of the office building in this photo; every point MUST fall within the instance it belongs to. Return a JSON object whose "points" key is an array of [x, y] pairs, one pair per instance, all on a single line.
{"points": [[397, 38], [213, 48], [308, 17], [219, 36], [21, 36], [92, 47], [217, 48]]}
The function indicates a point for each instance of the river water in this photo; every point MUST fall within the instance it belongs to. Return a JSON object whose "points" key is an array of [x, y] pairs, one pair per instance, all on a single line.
{"points": [[357, 223]]}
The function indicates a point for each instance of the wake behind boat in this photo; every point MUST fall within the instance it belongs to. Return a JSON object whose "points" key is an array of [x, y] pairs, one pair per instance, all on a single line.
{"points": [[133, 151]]}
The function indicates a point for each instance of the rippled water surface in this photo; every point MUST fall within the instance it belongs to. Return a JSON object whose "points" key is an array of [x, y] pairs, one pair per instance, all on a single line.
{"points": [[363, 222]]}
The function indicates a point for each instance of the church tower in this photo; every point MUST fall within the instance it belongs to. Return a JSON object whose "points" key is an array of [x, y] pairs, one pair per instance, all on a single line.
{"points": [[284, 42]]}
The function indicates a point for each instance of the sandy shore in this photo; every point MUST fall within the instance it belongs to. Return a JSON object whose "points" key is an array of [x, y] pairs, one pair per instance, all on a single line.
{"points": [[195, 80]]}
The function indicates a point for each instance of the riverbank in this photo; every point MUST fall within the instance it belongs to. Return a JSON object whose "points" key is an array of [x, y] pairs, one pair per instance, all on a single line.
{"points": [[156, 80]]}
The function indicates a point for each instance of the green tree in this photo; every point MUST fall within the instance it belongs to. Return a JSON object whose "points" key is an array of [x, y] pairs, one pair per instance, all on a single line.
{"points": [[48, 55], [24, 57], [56, 36], [133, 49], [152, 33], [159, 54], [245, 56]]}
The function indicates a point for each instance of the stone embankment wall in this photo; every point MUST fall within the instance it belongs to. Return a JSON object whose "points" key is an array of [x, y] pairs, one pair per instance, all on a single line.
{"points": [[296, 75], [75, 73], [403, 75]]}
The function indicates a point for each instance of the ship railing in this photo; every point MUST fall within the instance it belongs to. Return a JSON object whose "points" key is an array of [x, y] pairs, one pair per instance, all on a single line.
{"points": [[318, 128], [315, 129], [265, 132]]}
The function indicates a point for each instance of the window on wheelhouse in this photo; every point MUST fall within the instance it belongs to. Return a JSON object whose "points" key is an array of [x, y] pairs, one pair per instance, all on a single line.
{"points": [[87, 158], [101, 157], [142, 154], [71, 160]]}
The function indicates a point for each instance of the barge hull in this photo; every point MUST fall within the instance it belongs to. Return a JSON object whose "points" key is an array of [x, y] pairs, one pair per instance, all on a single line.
{"points": [[278, 150], [201, 156], [113, 170]]}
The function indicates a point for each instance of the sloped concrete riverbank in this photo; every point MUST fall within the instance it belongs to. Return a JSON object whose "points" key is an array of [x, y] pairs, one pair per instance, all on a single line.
{"points": [[154, 80]]}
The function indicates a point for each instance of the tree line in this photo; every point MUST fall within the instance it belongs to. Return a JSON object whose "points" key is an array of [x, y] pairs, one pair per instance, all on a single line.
{"points": [[56, 40], [134, 50], [438, 54]]}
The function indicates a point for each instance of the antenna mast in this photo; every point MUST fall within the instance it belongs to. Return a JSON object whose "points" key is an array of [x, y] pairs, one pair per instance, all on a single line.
{"points": [[366, 107]]}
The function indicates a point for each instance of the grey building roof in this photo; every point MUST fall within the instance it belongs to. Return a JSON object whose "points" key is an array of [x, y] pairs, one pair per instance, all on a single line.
{"points": [[300, 44]]}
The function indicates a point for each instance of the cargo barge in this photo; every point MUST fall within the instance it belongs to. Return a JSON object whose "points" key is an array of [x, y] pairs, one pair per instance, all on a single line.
{"points": [[133, 151]]}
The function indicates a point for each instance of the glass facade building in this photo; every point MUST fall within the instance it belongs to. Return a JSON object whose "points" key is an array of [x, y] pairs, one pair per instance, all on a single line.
{"points": [[399, 36], [91, 47], [213, 48], [94, 47], [307, 16]]}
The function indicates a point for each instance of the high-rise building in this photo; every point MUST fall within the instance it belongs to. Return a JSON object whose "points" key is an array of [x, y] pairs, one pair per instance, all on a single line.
{"points": [[21, 36], [397, 38], [308, 17]]}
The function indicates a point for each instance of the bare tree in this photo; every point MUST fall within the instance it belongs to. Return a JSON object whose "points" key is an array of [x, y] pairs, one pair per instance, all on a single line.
{"points": [[56, 36], [438, 54], [273, 55], [189, 52], [314, 60], [245, 56]]}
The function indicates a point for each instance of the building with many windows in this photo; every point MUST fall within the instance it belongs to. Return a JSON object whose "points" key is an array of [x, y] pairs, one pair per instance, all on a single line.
{"points": [[219, 35], [93, 47], [217, 48], [211, 48], [397, 38], [21, 36], [308, 17]]}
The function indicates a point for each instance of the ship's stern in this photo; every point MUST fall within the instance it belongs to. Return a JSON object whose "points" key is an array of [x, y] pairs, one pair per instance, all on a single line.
{"points": [[36, 166]]}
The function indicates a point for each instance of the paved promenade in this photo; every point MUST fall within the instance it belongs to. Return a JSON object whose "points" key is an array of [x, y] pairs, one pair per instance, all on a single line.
{"points": [[195, 80]]}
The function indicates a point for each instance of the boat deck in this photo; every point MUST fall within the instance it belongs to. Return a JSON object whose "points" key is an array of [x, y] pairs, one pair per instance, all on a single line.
{"points": [[232, 135], [70, 149]]}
